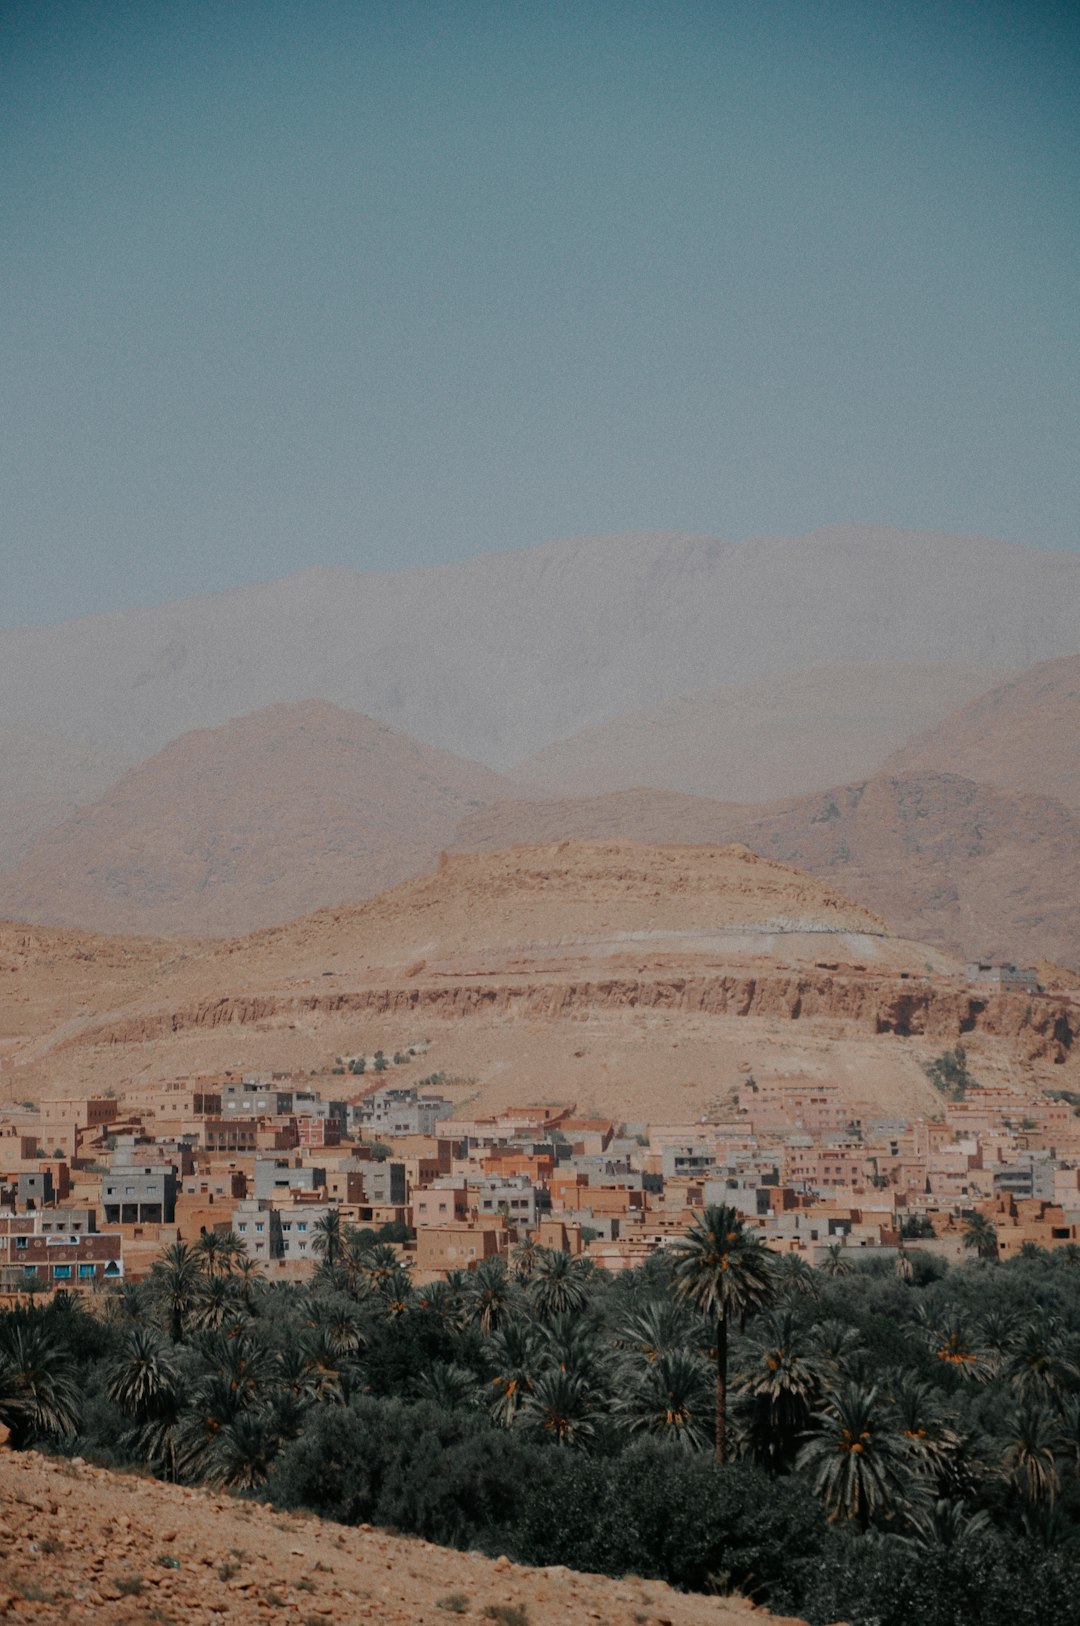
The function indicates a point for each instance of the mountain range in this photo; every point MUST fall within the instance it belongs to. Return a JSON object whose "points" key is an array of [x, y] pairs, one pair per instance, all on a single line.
{"points": [[644, 687]]}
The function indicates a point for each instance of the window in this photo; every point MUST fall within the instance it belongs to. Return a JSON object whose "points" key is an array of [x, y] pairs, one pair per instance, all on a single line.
{"points": [[86, 1272], [20, 1242], [301, 1225], [242, 1226], [29, 1270], [260, 1227], [62, 1273]]}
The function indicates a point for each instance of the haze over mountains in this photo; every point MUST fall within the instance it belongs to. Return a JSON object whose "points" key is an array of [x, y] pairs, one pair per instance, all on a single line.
{"points": [[499, 656], [751, 742], [850, 702]]}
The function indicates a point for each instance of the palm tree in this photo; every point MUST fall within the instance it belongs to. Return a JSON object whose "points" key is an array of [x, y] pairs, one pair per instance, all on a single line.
{"points": [[514, 1352], [525, 1257], [326, 1237], [249, 1279], [670, 1398], [794, 1276], [560, 1406], [559, 1284], [216, 1301], [1038, 1366], [659, 1327], [141, 1379], [782, 1379], [834, 1262], [39, 1393], [953, 1342], [448, 1386], [922, 1419], [143, 1382], [489, 1293], [1032, 1441], [723, 1270], [174, 1281], [212, 1250], [858, 1460], [241, 1453], [980, 1237]]}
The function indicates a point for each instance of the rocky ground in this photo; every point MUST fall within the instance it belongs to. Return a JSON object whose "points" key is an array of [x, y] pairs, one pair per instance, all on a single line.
{"points": [[82, 1545]]}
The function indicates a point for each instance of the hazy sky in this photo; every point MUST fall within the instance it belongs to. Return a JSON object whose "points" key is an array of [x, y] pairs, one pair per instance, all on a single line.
{"points": [[381, 283]]}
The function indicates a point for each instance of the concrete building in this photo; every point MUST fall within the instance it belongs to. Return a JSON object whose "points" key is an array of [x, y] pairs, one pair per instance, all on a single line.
{"points": [[139, 1194]]}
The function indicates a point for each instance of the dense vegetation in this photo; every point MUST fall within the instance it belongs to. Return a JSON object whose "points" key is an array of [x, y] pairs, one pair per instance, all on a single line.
{"points": [[901, 1443]]}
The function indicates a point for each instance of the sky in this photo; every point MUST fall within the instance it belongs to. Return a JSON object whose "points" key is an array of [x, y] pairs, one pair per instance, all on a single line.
{"points": [[388, 283]]}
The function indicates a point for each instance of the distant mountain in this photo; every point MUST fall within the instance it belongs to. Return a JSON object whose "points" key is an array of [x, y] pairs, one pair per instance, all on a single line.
{"points": [[754, 742], [235, 827], [43, 781], [1023, 735], [499, 656], [969, 868]]}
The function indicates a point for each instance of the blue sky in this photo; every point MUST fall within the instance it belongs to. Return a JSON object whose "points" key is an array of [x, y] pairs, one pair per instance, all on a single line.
{"points": [[384, 284]]}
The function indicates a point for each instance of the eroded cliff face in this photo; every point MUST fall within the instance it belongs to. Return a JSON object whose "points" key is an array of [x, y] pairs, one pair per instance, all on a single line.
{"points": [[1041, 1027]]}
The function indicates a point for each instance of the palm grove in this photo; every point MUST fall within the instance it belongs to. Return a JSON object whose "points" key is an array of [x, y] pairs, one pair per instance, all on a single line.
{"points": [[839, 1442]]}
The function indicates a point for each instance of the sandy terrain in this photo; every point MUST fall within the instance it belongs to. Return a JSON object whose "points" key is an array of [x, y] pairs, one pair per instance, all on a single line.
{"points": [[81, 1546]]}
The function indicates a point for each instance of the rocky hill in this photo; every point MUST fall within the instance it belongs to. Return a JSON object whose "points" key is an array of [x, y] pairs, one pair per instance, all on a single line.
{"points": [[1023, 735], [499, 656], [756, 742], [973, 870], [631, 978], [82, 1545], [232, 828]]}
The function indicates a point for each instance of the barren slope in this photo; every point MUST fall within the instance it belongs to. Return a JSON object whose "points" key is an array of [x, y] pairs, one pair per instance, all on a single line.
{"points": [[76, 1537], [1023, 735], [973, 870], [755, 742], [499, 656], [231, 828], [640, 980], [42, 782]]}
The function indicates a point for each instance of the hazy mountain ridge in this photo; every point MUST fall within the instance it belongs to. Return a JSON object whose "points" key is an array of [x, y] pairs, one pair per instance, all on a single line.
{"points": [[758, 741], [501, 655]]}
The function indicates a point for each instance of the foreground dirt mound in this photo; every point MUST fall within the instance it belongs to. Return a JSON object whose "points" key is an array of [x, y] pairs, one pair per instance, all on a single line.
{"points": [[79, 1544]]}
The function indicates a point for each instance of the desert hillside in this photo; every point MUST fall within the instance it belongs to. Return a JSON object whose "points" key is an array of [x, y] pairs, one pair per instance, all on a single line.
{"points": [[755, 742], [499, 656], [973, 870], [1022, 735], [82, 1545], [642, 980], [236, 827]]}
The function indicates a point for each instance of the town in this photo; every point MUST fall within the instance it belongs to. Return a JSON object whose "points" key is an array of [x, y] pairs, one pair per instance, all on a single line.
{"points": [[93, 1189]]}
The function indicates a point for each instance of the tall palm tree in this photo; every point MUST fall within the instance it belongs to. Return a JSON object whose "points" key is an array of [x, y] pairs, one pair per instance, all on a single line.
{"points": [[980, 1237], [857, 1459], [921, 1416], [249, 1279], [723, 1269], [448, 1386]]}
